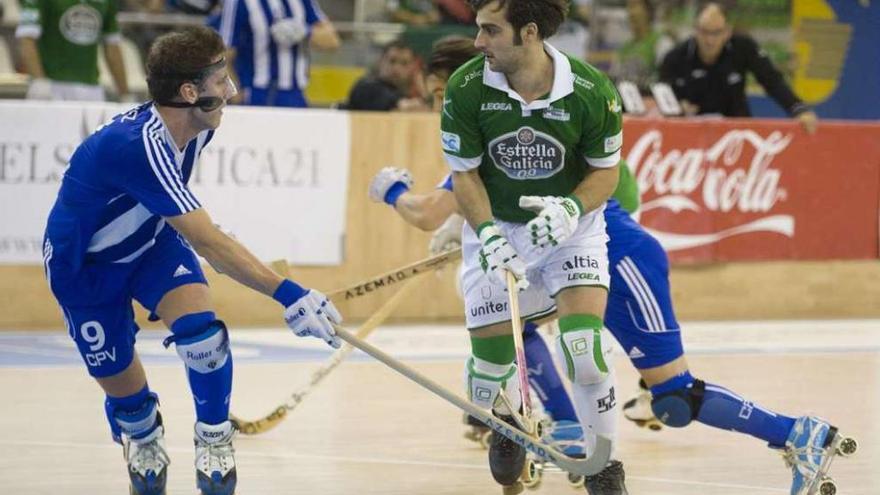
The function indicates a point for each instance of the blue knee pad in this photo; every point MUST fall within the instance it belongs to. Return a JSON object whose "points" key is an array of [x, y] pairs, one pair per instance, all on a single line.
{"points": [[202, 342], [677, 401], [134, 416]]}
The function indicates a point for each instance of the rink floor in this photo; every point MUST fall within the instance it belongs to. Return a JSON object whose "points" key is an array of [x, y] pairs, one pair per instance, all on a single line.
{"points": [[367, 430]]}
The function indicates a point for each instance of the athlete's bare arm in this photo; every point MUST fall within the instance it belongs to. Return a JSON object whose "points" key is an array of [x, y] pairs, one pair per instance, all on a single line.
{"points": [[224, 252], [324, 36], [113, 57], [426, 211], [30, 57], [473, 201], [597, 187]]}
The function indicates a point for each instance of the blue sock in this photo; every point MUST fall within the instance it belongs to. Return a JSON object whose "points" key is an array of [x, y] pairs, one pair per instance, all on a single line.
{"points": [[210, 390], [723, 409], [135, 411], [544, 378]]}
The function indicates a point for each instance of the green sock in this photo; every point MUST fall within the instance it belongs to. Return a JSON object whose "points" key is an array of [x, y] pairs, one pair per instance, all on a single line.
{"points": [[497, 350]]}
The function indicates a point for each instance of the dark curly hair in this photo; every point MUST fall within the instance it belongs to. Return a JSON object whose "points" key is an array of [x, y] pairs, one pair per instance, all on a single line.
{"points": [[180, 57], [546, 14]]}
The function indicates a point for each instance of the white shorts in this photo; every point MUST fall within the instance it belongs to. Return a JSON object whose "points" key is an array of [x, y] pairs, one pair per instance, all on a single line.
{"points": [[581, 260], [71, 91]]}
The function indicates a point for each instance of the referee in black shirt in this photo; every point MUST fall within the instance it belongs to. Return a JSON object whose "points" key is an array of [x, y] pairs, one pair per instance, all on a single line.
{"points": [[708, 72]]}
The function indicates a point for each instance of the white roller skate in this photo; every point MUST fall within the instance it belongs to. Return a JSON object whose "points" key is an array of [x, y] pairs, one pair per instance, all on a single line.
{"points": [[809, 451], [638, 409], [215, 459], [147, 463]]}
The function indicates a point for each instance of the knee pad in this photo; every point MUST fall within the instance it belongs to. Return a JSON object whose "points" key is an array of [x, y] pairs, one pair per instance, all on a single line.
{"points": [[585, 351], [677, 408], [201, 342], [135, 416], [486, 380]]}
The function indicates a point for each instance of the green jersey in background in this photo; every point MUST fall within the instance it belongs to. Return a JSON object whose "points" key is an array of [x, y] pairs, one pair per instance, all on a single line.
{"points": [[68, 33]]}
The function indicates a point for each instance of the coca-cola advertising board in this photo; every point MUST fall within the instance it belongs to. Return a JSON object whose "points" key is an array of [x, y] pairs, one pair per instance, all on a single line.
{"points": [[749, 190]]}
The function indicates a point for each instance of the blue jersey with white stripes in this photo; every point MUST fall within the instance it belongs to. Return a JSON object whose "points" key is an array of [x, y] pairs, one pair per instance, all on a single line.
{"points": [[120, 183], [260, 62]]}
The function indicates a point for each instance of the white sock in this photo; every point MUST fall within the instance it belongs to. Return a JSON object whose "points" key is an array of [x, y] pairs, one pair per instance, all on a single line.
{"points": [[596, 406]]}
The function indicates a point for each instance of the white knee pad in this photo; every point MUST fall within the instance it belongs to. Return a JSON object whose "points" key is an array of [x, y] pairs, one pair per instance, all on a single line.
{"points": [[207, 351], [486, 380], [586, 355]]}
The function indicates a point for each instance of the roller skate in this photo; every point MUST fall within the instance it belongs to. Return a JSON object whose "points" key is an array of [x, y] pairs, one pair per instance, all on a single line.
{"points": [[809, 451], [507, 459], [609, 481], [567, 437], [638, 409], [147, 463], [215, 459], [476, 431]]}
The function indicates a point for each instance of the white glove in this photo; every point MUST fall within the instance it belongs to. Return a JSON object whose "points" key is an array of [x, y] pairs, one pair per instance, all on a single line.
{"points": [[288, 32], [313, 314], [448, 236], [39, 89], [498, 257], [556, 221], [385, 179]]}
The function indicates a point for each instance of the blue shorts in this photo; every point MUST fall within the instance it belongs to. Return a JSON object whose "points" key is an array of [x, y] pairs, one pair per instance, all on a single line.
{"points": [[639, 312], [97, 301], [291, 98]]}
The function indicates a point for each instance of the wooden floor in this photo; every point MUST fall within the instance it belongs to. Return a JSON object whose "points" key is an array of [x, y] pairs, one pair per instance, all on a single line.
{"points": [[366, 430]]}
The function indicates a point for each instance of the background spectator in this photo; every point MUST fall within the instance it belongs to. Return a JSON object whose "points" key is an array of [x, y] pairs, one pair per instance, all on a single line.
{"points": [[391, 87], [414, 12], [58, 43], [637, 59], [573, 35], [708, 71], [269, 48]]}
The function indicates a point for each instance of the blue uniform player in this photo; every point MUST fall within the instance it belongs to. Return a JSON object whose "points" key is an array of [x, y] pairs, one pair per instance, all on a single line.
{"points": [[640, 315], [125, 227], [269, 43]]}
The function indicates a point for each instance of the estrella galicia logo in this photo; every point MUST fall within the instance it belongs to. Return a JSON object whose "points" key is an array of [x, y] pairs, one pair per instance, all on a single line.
{"points": [[527, 154]]}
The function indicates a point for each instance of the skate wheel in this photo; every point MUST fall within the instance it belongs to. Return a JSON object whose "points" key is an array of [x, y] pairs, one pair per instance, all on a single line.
{"points": [[827, 487], [576, 481], [531, 475], [847, 447]]}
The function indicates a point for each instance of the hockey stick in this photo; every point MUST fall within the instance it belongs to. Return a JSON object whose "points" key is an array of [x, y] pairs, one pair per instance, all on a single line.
{"points": [[385, 280], [582, 467], [394, 276], [277, 415], [525, 421]]}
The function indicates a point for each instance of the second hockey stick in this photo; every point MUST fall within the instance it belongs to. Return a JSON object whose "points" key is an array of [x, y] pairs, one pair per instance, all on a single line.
{"points": [[278, 414], [582, 467]]}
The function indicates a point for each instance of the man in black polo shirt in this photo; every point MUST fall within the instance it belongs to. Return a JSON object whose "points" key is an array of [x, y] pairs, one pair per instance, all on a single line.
{"points": [[708, 72], [389, 86]]}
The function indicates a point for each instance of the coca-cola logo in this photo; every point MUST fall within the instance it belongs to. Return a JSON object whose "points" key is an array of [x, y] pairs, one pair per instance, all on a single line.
{"points": [[735, 173]]}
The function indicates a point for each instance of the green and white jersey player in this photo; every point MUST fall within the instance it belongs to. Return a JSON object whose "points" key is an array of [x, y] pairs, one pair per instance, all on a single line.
{"points": [[58, 41], [533, 138]]}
